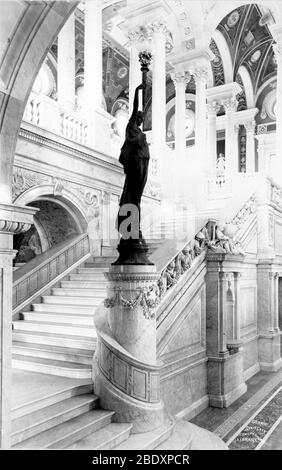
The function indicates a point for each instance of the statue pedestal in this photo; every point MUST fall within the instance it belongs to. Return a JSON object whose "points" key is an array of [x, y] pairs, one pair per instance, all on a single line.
{"points": [[133, 252], [127, 374]]}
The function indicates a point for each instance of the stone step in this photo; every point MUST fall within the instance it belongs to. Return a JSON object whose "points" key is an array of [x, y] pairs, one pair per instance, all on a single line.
{"points": [[61, 308], [69, 432], [99, 270], [105, 439], [84, 284], [47, 418], [99, 278], [188, 436], [98, 265], [52, 367], [54, 317], [67, 341], [45, 351], [72, 300], [68, 389], [147, 440], [62, 328], [83, 292], [102, 259]]}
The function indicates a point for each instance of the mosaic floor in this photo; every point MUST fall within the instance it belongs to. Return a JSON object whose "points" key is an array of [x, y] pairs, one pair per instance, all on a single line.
{"points": [[254, 421]]}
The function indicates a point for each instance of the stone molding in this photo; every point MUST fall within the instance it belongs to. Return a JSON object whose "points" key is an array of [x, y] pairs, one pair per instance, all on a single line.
{"points": [[15, 219], [24, 180], [95, 157]]}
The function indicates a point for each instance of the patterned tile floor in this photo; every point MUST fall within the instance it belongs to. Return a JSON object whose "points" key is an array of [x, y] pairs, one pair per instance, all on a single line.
{"points": [[254, 420]]}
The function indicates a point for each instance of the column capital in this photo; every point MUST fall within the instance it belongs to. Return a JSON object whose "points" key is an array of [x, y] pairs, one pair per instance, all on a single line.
{"points": [[213, 107], [250, 126], [200, 74], [180, 77], [229, 104], [143, 35]]}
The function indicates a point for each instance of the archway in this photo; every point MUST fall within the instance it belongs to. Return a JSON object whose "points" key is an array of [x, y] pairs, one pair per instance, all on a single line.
{"points": [[54, 223], [28, 31]]}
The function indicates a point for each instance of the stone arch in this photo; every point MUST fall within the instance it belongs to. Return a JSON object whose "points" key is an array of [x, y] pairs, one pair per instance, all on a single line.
{"points": [[59, 217], [65, 199], [248, 86], [225, 55], [28, 31]]}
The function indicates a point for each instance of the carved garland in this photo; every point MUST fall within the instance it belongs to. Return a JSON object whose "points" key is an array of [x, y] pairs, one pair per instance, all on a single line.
{"points": [[143, 298]]}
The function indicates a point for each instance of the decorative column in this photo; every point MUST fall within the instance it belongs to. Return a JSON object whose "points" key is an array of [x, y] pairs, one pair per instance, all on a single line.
{"points": [[276, 302], [231, 145], [13, 220], [159, 86], [276, 31], [263, 167], [250, 146], [180, 80], [135, 76], [225, 360], [269, 337], [66, 64], [212, 109], [201, 75], [93, 56]]}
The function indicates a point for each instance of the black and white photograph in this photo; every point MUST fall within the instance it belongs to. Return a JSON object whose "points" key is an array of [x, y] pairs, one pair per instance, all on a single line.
{"points": [[140, 230]]}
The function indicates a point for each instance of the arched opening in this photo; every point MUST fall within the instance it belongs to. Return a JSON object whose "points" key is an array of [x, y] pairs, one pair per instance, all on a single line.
{"points": [[53, 224]]}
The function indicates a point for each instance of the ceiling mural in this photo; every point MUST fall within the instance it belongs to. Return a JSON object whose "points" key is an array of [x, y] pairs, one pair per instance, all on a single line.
{"points": [[250, 43], [241, 97], [217, 65], [115, 76]]}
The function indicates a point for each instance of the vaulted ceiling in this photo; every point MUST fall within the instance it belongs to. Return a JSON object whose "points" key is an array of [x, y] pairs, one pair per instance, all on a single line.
{"points": [[250, 43]]}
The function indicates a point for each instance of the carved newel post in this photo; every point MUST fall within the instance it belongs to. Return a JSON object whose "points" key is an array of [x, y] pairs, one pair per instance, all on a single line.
{"points": [[127, 377], [126, 370]]}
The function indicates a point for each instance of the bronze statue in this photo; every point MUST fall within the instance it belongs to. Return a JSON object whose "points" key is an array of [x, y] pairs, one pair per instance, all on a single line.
{"points": [[134, 157]]}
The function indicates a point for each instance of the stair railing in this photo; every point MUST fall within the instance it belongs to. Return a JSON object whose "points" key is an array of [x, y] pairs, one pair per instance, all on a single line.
{"points": [[41, 272]]}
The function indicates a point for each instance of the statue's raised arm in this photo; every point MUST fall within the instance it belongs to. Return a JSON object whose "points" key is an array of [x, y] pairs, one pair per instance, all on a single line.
{"points": [[136, 104]]}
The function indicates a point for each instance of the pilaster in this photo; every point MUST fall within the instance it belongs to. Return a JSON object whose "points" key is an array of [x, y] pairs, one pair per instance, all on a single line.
{"points": [[13, 219], [225, 359]]}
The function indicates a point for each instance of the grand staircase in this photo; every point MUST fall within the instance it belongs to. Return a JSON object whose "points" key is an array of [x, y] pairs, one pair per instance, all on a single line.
{"points": [[56, 337]]}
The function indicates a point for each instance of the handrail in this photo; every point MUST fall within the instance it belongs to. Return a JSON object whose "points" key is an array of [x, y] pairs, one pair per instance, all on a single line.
{"points": [[210, 237], [178, 264], [45, 268]]}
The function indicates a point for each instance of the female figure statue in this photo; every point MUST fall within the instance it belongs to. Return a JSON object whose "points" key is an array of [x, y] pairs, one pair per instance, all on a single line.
{"points": [[134, 157]]}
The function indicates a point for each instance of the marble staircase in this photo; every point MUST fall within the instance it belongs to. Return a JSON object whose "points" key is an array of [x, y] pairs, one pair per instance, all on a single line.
{"points": [[57, 336], [61, 412]]}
